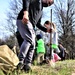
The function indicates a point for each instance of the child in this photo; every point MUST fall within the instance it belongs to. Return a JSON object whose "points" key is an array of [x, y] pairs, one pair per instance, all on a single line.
{"points": [[56, 57], [40, 49], [54, 39], [62, 51]]}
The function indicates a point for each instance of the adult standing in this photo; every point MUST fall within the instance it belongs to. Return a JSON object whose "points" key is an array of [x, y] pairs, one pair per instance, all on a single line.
{"points": [[28, 17]]}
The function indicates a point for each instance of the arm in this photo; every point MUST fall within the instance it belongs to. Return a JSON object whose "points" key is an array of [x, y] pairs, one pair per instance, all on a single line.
{"points": [[26, 4], [40, 26]]}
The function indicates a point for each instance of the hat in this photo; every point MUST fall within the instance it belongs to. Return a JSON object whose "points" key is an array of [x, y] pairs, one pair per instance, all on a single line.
{"points": [[38, 36]]}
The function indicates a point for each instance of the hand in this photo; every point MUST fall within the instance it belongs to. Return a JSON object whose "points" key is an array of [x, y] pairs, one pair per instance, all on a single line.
{"points": [[49, 30], [48, 44], [25, 17]]}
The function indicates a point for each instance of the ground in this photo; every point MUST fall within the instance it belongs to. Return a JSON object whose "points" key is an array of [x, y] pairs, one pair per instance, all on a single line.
{"points": [[66, 67]]}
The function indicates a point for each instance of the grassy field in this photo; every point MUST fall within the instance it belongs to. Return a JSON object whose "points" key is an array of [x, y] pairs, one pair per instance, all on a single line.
{"points": [[66, 67]]}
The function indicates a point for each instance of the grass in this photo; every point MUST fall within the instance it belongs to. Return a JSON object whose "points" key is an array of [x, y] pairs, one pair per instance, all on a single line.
{"points": [[66, 67]]}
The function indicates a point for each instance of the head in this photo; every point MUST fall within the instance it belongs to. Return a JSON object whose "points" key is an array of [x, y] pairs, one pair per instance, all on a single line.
{"points": [[38, 36], [50, 25], [47, 3]]}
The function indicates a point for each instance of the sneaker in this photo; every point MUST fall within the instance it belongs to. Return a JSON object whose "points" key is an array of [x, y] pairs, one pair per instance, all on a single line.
{"points": [[27, 68]]}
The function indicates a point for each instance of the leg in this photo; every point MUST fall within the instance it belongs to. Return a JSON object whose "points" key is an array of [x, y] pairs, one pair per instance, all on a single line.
{"points": [[42, 56], [19, 38], [23, 51], [29, 56], [38, 58], [28, 59], [27, 33]]}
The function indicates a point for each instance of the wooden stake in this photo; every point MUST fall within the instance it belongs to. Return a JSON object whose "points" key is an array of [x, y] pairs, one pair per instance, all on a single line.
{"points": [[51, 37]]}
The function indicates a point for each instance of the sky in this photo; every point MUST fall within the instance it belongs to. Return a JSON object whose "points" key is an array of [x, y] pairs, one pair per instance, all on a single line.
{"points": [[4, 6]]}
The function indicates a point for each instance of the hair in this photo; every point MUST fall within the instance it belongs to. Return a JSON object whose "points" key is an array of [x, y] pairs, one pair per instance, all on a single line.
{"points": [[47, 22], [50, 23], [38, 36]]}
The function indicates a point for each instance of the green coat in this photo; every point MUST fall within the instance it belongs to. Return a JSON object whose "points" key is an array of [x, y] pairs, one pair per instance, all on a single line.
{"points": [[40, 46]]}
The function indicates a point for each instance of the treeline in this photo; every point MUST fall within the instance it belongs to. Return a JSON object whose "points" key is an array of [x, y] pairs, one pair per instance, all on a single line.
{"points": [[68, 41], [10, 42]]}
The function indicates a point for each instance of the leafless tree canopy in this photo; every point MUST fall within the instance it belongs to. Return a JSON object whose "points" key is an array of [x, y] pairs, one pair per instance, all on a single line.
{"points": [[66, 19], [14, 9], [65, 15]]}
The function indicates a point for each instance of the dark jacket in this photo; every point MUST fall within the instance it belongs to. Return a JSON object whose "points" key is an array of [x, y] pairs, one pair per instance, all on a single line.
{"points": [[34, 7]]}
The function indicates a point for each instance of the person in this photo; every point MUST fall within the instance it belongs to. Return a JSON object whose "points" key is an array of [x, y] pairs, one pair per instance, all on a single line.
{"points": [[46, 37], [28, 17], [62, 51], [19, 38], [40, 49], [56, 57]]}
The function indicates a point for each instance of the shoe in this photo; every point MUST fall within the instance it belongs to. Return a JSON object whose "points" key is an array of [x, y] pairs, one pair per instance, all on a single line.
{"points": [[27, 68], [20, 66]]}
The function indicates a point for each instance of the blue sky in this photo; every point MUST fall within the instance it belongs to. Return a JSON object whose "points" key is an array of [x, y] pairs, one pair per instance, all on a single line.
{"points": [[4, 6], [3, 10]]}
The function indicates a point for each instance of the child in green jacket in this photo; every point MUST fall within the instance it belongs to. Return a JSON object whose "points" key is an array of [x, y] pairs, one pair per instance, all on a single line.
{"points": [[40, 49]]}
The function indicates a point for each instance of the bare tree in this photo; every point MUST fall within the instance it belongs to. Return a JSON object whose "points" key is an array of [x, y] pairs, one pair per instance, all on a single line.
{"points": [[65, 15], [15, 7]]}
